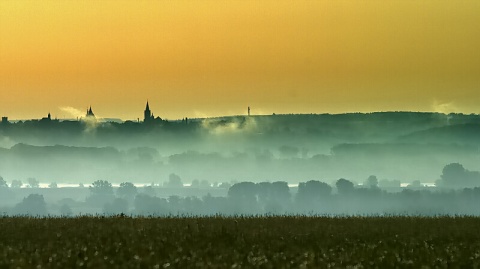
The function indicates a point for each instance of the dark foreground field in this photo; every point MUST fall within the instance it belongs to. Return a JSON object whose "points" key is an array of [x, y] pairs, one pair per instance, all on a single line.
{"points": [[265, 242]]}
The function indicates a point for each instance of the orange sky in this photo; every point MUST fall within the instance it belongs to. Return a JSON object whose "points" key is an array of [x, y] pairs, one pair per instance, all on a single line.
{"points": [[208, 58]]}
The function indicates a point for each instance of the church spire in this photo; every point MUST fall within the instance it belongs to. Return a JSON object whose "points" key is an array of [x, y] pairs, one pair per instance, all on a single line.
{"points": [[90, 112], [147, 114]]}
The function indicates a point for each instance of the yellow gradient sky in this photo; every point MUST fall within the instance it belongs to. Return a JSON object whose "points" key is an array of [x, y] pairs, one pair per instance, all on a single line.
{"points": [[209, 58]]}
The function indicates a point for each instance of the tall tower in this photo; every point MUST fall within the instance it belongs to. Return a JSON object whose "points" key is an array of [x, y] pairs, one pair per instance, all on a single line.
{"points": [[147, 114], [90, 113]]}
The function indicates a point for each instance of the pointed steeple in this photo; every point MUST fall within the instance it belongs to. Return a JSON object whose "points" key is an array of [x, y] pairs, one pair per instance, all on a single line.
{"points": [[90, 112], [147, 114]]}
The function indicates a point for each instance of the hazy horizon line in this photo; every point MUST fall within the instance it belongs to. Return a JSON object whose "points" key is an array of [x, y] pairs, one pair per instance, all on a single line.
{"points": [[239, 115]]}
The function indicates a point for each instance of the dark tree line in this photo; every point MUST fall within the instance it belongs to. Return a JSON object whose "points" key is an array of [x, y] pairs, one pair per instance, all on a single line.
{"points": [[311, 197]]}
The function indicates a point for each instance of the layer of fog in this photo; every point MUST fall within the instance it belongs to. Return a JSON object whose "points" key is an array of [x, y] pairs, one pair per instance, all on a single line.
{"points": [[454, 194], [292, 148]]}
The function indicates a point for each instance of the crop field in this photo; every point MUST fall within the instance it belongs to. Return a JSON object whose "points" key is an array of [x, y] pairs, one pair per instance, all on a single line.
{"points": [[240, 242]]}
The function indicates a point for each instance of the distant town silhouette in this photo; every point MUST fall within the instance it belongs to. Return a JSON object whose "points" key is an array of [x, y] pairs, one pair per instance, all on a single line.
{"points": [[89, 115], [148, 118]]}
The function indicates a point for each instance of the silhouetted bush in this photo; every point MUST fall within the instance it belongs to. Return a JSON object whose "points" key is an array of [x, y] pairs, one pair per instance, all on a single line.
{"points": [[33, 205]]}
